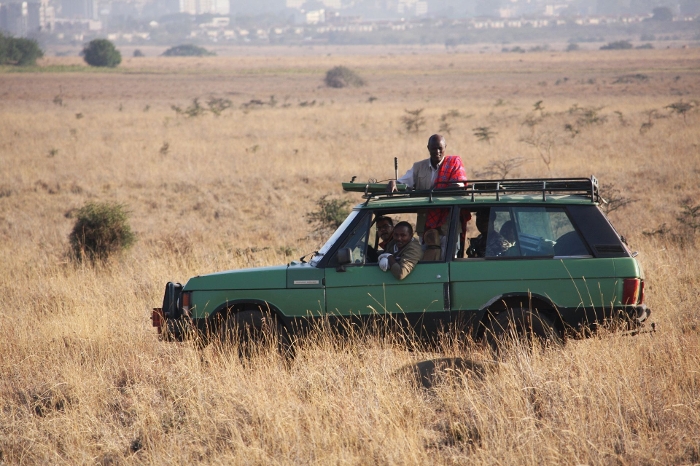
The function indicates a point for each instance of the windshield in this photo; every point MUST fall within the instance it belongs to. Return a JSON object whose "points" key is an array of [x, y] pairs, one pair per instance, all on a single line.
{"points": [[331, 241]]}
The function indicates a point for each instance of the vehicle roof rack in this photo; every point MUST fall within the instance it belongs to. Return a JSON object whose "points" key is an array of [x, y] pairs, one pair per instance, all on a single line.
{"points": [[546, 186]]}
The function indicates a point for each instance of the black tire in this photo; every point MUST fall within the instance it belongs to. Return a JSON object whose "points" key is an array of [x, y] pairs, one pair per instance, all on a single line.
{"points": [[521, 324], [253, 330]]}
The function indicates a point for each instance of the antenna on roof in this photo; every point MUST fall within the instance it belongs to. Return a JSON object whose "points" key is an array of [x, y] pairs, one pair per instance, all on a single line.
{"points": [[396, 168]]}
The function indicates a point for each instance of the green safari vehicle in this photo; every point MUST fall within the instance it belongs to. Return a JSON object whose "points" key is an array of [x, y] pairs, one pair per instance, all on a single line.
{"points": [[564, 271]]}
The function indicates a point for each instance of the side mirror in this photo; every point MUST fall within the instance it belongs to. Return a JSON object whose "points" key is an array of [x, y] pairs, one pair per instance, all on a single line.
{"points": [[344, 256]]}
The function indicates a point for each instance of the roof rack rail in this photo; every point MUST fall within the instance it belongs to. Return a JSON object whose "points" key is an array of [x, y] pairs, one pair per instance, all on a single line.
{"points": [[572, 186]]}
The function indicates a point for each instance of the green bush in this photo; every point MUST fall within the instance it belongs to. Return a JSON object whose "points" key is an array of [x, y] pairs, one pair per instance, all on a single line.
{"points": [[187, 50], [330, 214], [617, 45], [100, 231], [342, 76], [19, 51], [101, 52]]}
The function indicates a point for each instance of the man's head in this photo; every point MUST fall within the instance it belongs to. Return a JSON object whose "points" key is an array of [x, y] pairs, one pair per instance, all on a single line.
{"points": [[403, 233], [385, 228], [436, 147], [482, 221], [508, 231]]}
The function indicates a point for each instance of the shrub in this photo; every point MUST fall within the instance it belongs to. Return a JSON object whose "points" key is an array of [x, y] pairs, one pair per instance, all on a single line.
{"points": [[187, 50], [100, 231], [101, 52], [484, 133], [138, 53], [617, 45], [572, 47], [342, 76], [330, 213], [19, 51], [413, 120]]}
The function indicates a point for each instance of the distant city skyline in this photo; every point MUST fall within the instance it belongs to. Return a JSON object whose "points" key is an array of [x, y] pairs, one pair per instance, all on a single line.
{"points": [[142, 18]]}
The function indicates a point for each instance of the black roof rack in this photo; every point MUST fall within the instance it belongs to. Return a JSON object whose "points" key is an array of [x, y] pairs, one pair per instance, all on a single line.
{"points": [[572, 186]]}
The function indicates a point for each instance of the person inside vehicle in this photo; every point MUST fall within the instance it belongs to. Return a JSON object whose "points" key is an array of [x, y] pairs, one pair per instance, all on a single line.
{"points": [[402, 253], [489, 243], [508, 231], [385, 230]]}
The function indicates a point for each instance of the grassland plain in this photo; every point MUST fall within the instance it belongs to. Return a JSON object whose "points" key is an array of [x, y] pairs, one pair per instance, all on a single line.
{"points": [[83, 378]]}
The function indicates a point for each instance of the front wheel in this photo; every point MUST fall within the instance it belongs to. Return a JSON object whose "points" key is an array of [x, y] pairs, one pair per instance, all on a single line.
{"points": [[521, 325], [253, 330]]}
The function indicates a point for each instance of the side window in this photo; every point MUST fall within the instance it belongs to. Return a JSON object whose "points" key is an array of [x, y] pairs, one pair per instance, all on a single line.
{"points": [[488, 223], [547, 231], [501, 232]]}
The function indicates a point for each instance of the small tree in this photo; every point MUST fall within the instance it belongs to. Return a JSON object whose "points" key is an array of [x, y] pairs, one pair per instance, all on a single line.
{"points": [[681, 108], [484, 133], [330, 213], [19, 51], [413, 120], [100, 231], [101, 52], [342, 76]]}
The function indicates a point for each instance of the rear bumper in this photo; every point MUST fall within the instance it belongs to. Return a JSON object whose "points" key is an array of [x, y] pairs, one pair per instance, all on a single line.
{"points": [[172, 329], [640, 313]]}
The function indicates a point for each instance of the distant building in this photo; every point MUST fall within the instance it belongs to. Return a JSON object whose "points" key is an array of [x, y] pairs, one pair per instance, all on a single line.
{"points": [[316, 16], [22, 18], [79, 9]]}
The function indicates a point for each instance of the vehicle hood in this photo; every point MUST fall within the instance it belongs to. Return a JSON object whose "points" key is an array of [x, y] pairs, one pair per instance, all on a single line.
{"points": [[258, 278]]}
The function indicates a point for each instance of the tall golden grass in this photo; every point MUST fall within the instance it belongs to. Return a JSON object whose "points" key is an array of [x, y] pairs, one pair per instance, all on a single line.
{"points": [[84, 379]]}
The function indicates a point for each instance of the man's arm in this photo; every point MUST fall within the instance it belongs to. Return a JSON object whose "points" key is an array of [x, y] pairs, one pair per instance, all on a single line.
{"points": [[406, 179], [410, 256]]}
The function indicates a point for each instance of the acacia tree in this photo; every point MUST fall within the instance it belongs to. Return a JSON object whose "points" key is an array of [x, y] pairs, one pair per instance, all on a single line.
{"points": [[101, 52]]}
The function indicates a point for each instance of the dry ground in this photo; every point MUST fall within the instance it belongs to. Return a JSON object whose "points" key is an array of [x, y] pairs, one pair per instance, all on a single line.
{"points": [[83, 378]]}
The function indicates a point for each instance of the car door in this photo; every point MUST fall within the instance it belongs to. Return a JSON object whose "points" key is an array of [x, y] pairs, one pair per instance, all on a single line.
{"points": [[362, 289]]}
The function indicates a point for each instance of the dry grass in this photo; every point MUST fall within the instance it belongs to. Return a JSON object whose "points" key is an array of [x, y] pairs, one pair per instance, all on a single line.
{"points": [[83, 378]]}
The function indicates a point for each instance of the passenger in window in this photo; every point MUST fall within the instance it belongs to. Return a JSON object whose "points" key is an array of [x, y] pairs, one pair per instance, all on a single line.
{"points": [[402, 253], [385, 230], [489, 243], [508, 231]]}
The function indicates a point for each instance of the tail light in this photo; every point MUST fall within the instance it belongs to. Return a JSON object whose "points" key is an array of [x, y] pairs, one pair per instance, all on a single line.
{"points": [[185, 299], [633, 291], [157, 318]]}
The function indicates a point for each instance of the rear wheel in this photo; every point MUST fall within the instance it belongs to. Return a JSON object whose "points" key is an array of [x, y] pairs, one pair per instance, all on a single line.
{"points": [[521, 325]]}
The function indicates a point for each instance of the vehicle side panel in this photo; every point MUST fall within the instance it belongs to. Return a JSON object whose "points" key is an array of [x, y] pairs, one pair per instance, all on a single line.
{"points": [[572, 285], [291, 303]]}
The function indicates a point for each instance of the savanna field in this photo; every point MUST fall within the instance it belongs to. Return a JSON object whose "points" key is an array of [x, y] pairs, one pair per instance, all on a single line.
{"points": [[85, 380]]}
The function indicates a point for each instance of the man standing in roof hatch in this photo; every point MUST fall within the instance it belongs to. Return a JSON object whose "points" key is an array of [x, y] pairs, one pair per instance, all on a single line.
{"points": [[440, 171]]}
